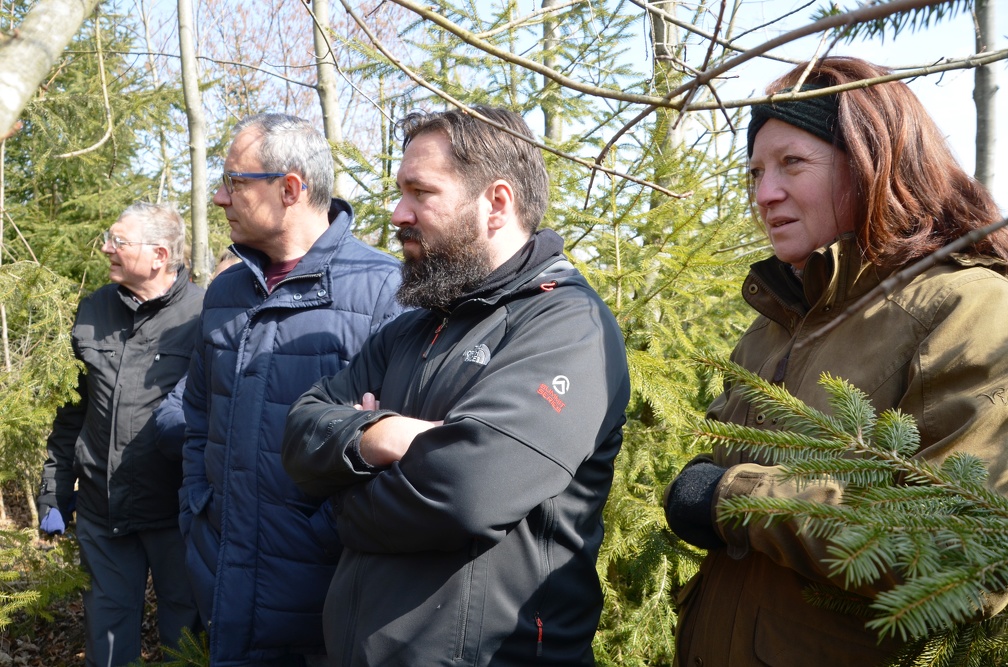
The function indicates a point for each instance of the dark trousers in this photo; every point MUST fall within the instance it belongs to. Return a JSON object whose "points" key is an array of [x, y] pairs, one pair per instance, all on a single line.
{"points": [[114, 603]]}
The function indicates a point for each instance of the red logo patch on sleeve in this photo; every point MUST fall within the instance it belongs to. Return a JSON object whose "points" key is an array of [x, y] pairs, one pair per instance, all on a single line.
{"points": [[551, 397]]}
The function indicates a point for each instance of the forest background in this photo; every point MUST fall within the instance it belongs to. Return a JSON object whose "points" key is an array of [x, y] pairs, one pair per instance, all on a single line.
{"points": [[638, 103]]}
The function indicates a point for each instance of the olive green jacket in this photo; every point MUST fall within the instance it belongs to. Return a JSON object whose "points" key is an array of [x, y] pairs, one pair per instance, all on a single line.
{"points": [[936, 348]]}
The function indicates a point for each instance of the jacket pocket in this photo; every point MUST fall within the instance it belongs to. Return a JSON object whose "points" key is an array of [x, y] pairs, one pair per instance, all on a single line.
{"points": [[788, 640], [544, 568], [465, 595], [472, 592], [199, 499], [167, 367]]}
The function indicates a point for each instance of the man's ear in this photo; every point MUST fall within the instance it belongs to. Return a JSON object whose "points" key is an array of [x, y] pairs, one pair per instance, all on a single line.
{"points": [[500, 194], [293, 189], [160, 257]]}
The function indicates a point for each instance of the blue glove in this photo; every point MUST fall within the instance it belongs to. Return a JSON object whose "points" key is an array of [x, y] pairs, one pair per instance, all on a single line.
{"points": [[688, 502], [52, 522]]}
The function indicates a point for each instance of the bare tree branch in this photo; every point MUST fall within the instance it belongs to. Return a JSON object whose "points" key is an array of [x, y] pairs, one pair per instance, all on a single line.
{"points": [[419, 80], [528, 19], [37, 42], [902, 277], [105, 101]]}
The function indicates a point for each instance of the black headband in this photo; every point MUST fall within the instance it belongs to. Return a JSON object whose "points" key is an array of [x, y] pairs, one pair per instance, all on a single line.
{"points": [[816, 115]]}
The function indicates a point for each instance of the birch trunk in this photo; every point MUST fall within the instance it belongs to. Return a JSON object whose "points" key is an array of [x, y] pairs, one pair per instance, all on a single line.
{"points": [[984, 92], [27, 56], [325, 64], [202, 268]]}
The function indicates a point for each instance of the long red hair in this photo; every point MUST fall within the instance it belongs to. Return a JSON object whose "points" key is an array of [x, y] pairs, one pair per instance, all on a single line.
{"points": [[911, 196]]}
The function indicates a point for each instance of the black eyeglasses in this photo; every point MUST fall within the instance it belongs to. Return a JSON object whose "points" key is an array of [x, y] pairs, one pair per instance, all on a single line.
{"points": [[228, 178], [118, 243]]}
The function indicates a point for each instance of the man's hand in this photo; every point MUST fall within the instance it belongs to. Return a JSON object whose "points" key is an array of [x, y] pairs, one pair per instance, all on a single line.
{"points": [[52, 523], [387, 440]]}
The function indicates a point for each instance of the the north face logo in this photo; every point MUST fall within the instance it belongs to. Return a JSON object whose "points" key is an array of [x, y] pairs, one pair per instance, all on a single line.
{"points": [[478, 355]]}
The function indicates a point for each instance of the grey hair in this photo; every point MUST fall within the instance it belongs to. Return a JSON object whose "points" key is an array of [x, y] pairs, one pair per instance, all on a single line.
{"points": [[292, 144], [161, 224]]}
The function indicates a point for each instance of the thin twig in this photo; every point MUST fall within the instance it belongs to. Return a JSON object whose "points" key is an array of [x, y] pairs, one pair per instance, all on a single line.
{"points": [[527, 19], [336, 66], [419, 80], [20, 235], [900, 278], [105, 100]]}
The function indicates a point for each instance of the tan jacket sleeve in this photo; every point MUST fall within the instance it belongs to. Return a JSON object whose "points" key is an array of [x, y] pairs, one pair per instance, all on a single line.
{"points": [[957, 391]]}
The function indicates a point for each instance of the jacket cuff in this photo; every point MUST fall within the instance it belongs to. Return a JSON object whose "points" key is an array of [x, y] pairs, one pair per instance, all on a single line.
{"points": [[739, 480], [361, 424]]}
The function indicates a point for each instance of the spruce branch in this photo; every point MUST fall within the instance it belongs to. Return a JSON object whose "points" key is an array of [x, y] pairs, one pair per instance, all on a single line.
{"points": [[931, 540]]}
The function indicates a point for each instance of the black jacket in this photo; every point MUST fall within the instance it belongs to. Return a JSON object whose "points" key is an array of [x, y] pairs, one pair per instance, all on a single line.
{"points": [[479, 546], [134, 354]]}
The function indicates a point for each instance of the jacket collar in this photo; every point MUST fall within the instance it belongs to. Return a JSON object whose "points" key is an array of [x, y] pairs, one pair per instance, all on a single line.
{"points": [[318, 256], [540, 262], [173, 293], [833, 276]]}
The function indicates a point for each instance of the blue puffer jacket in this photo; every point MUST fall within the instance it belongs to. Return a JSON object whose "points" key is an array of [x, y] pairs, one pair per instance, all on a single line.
{"points": [[261, 553]]}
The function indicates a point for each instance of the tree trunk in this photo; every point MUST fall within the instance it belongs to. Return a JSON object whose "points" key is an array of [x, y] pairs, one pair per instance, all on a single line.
{"points": [[984, 92], [666, 42], [325, 64], [201, 262], [28, 55], [554, 123]]}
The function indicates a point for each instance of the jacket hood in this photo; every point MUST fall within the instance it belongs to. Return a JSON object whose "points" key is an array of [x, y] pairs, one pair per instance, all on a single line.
{"points": [[539, 263]]}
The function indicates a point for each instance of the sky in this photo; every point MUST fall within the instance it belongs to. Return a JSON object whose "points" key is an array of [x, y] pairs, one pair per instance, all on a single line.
{"points": [[948, 97]]}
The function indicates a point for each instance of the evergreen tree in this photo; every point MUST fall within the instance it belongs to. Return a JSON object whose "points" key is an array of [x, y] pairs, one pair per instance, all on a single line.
{"points": [[76, 163], [939, 527]]}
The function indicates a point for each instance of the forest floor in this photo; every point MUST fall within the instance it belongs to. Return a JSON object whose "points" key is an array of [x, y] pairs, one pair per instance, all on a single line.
{"points": [[57, 642]]}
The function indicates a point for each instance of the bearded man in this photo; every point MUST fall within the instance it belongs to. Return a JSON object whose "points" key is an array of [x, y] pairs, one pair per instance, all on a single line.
{"points": [[468, 448]]}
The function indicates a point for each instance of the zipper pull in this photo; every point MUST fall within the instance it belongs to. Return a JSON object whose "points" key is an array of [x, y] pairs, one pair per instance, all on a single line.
{"points": [[437, 332], [539, 641]]}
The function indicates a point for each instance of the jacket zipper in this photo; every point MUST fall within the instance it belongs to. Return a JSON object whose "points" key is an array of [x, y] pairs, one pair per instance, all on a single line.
{"points": [[539, 625], [542, 538], [437, 332], [781, 369], [302, 276], [349, 646]]}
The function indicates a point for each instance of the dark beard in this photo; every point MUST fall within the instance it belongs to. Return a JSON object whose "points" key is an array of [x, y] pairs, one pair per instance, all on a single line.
{"points": [[447, 270]]}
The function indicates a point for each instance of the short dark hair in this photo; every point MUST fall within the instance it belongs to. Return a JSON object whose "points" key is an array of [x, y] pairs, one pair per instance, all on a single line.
{"points": [[482, 153]]}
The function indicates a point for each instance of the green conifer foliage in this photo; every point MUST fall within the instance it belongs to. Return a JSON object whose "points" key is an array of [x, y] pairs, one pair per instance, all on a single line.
{"points": [[669, 267], [30, 578], [938, 527]]}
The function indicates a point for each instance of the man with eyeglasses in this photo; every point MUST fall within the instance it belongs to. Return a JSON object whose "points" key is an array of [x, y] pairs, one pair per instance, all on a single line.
{"points": [[298, 306], [135, 338]]}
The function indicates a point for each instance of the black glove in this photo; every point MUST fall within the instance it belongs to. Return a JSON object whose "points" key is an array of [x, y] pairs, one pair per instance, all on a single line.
{"points": [[688, 501]]}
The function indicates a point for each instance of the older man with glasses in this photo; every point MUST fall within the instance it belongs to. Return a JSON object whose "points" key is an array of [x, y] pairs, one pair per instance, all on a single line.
{"points": [[305, 296], [135, 337]]}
